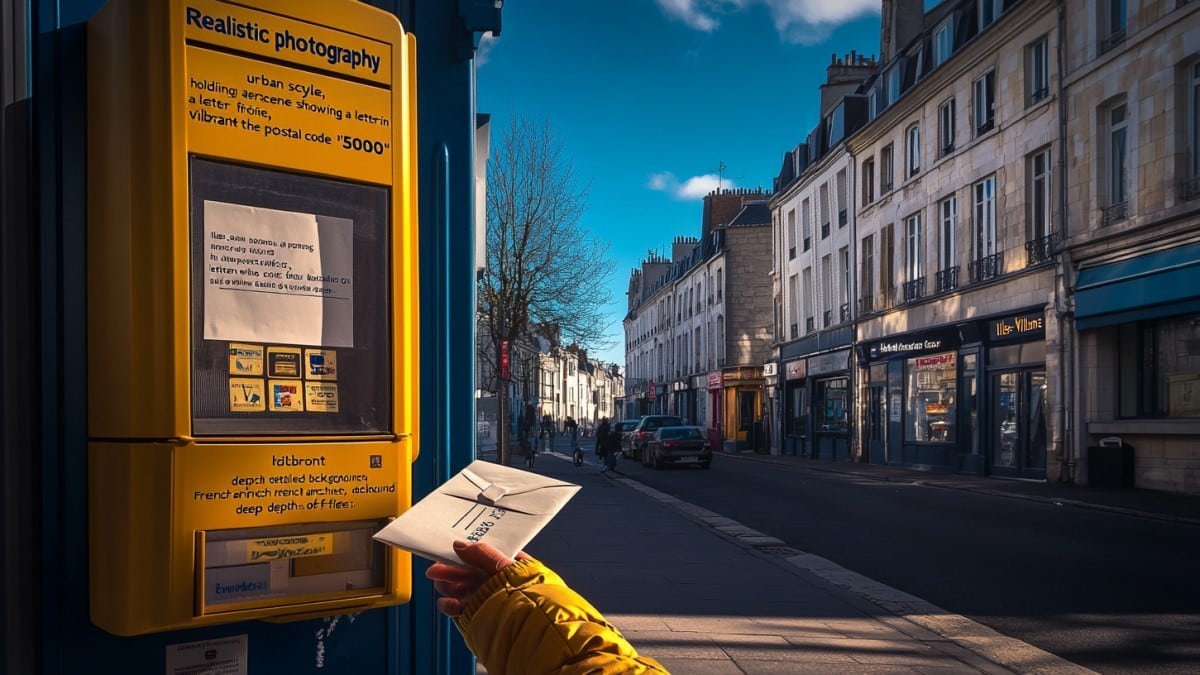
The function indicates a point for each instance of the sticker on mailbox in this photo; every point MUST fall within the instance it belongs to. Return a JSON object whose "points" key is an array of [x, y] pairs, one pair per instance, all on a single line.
{"points": [[245, 359], [321, 396], [283, 548], [285, 396], [247, 395], [283, 362], [320, 364]]}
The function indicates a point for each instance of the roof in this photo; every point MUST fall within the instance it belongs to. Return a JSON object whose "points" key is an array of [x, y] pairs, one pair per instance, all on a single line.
{"points": [[752, 213]]}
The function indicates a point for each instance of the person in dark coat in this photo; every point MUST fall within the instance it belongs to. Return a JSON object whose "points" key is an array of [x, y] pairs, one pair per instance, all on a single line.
{"points": [[602, 433], [612, 446]]}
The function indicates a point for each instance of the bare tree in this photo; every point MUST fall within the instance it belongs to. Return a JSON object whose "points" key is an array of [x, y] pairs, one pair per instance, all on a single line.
{"points": [[543, 267]]}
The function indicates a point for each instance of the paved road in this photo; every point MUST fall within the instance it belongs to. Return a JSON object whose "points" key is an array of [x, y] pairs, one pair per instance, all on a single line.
{"points": [[1114, 593]]}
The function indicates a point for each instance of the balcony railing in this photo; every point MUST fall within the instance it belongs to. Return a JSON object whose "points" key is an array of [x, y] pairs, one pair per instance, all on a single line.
{"points": [[986, 268], [1189, 189], [947, 149], [1116, 38], [885, 187], [887, 298], [844, 312], [914, 290], [1041, 250], [826, 318], [946, 280], [809, 325], [1114, 213], [866, 304]]}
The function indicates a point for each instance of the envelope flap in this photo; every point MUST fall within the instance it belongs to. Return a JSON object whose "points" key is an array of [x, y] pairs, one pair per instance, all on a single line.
{"points": [[509, 488]]}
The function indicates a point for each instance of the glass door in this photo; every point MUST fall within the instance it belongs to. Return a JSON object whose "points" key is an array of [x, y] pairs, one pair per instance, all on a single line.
{"points": [[1019, 430]]}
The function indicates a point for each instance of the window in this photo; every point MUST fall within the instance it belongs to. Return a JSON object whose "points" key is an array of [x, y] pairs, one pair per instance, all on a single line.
{"points": [[946, 127], [1194, 126], [943, 42], [885, 169], [986, 263], [844, 291], [1158, 371], [1038, 171], [914, 255], [887, 258], [805, 223], [948, 226], [826, 291], [1191, 187], [823, 195], [807, 294], [867, 285], [793, 301], [868, 181], [1037, 71], [931, 388], [791, 234], [842, 206], [989, 10], [872, 104], [1111, 24], [1116, 164], [892, 82], [830, 398], [985, 102], [912, 159]]}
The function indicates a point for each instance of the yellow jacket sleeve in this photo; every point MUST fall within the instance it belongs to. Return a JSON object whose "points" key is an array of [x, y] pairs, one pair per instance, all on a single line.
{"points": [[526, 621]]}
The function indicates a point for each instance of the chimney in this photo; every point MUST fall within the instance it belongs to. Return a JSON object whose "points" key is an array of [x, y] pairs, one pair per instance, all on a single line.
{"points": [[902, 21]]}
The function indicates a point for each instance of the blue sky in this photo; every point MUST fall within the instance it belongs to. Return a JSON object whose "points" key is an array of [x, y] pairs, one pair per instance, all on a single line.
{"points": [[650, 97]]}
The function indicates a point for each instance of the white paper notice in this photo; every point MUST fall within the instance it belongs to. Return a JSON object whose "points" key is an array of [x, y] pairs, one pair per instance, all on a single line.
{"points": [[279, 277], [223, 656]]}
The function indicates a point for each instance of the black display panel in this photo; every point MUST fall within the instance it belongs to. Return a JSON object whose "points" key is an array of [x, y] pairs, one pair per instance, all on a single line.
{"points": [[290, 303]]}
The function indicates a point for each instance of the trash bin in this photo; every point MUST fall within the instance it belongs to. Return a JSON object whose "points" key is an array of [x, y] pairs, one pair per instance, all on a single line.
{"points": [[1110, 464]]}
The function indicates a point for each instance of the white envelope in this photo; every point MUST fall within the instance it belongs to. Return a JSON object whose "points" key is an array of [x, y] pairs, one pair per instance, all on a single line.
{"points": [[487, 502]]}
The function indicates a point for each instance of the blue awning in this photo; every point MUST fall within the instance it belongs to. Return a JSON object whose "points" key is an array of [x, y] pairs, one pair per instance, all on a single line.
{"points": [[1151, 286]]}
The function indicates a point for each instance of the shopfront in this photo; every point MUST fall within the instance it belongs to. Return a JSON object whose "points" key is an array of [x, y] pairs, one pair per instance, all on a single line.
{"points": [[829, 378], [795, 417], [971, 397], [716, 430], [743, 389], [1139, 381]]}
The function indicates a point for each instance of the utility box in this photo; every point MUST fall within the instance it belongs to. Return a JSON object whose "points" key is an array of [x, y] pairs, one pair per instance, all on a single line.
{"points": [[1110, 464], [252, 310]]}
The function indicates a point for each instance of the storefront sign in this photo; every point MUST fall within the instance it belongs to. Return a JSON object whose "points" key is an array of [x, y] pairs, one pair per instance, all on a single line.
{"points": [[930, 341], [714, 380], [770, 369], [796, 370], [832, 362], [1021, 327]]}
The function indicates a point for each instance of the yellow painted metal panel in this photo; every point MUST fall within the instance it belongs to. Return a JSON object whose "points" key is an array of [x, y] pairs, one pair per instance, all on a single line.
{"points": [[170, 82]]}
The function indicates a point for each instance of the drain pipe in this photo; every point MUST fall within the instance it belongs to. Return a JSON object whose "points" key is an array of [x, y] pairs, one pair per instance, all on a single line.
{"points": [[1064, 441]]}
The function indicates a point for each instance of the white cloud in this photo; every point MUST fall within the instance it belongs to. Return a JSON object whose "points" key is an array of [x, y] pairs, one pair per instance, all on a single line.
{"points": [[486, 43], [796, 21], [692, 188]]}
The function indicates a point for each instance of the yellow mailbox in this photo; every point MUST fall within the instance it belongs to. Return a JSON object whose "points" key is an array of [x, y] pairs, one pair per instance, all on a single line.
{"points": [[252, 309]]}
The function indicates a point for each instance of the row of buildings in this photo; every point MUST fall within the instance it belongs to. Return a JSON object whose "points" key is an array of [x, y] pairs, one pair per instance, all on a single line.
{"points": [[544, 378], [985, 257]]}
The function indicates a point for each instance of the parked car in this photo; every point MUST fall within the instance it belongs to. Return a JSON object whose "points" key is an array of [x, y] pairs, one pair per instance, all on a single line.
{"points": [[635, 441], [622, 428], [678, 445]]}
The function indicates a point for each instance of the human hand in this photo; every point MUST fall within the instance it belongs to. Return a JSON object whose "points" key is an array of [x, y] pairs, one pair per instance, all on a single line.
{"points": [[459, 582]]}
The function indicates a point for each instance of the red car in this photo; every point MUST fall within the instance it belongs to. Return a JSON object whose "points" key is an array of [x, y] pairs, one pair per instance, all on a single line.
{"points": [[678, 445], [634, 442]]}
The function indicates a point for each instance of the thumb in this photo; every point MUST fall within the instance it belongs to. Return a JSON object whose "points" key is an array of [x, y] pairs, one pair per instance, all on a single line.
{"points": [[482, 556]]}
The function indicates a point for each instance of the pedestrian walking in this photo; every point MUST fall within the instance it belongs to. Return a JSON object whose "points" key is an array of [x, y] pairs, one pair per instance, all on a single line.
{"points": [[602, 433], [612, 446]]}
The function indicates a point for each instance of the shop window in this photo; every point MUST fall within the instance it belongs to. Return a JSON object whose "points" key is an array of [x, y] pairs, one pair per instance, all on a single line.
{"points": [[798, 410], [831, 404], [1158, 371], [930, 390]]}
